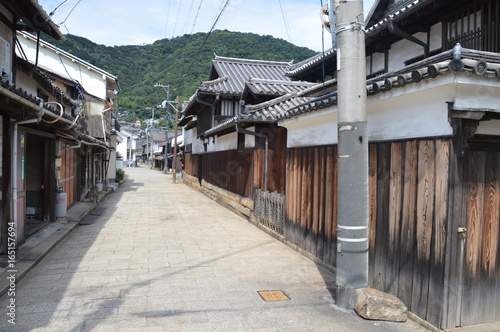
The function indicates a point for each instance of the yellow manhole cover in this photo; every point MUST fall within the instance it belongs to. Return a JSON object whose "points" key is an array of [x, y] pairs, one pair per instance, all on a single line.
{"points": [[273, 295]]}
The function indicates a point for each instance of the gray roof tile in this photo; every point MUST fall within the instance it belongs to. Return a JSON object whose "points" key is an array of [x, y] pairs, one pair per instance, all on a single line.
{"points": [[275, 88], [228, 75]]}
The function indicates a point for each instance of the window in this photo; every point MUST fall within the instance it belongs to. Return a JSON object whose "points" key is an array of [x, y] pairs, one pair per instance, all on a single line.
{"points": [[228, 108], [475, 27]]}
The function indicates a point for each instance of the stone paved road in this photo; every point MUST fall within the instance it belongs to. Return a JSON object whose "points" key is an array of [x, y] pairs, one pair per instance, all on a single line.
{"points": [[163, 257]]}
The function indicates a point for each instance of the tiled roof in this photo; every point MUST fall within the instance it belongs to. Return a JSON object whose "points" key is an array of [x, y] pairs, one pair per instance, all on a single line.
{"points": [[311, 62], [397, 11], [273, 110], [269, 111], [228, 75], [275, 88], [158, 135], [4, 84], [472, 62]]}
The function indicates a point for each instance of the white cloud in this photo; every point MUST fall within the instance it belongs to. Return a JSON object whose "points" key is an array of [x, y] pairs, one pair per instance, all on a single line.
{"points": [[127, 22]]}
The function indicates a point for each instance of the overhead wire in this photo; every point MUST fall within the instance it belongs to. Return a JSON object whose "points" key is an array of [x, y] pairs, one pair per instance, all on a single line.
{"points": [[187, 17], [167, 20], [196, 17], [176, 18], [53, 12], [285, 19], [71, 11], [179, 59], [205, 40]]}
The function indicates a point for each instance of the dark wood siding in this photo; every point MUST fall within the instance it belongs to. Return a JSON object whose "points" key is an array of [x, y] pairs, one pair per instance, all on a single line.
{"points": [[230, 170], [311, 203], [191, 162], [408, 215], [481, 283]]}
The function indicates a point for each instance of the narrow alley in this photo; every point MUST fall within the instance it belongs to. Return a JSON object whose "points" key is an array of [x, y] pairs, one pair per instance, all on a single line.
{"points": [[164, 257]]}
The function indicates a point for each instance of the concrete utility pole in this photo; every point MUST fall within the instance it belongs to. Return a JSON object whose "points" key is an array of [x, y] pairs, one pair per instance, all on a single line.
{"points": [[348, 36]]}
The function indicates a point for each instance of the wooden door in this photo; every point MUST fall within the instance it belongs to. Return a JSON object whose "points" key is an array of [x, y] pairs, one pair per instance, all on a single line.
{"points": [[480, 248]]}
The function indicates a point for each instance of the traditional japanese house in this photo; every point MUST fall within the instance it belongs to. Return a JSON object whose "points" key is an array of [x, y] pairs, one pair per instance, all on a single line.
{"points": [[46, 142], [433, 86], [222, 149]]}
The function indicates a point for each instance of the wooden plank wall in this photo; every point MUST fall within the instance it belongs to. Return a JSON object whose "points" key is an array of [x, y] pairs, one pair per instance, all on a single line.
{"points": [[67, 175], [230, 170], [240, 171], [311, 210], [481, 286], [408, 215], [191, 164]]}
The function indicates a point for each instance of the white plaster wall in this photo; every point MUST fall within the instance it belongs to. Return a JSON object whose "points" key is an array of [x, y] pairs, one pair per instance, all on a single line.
{"points": [[475, 92], [436, 37], [422, 113], [489, 128], [188, 137], [27, 83], [378, 62], [94, 82], [318, 128], [418, 110], [249, 139], [223, 143], [404, 50], [197, 143]]}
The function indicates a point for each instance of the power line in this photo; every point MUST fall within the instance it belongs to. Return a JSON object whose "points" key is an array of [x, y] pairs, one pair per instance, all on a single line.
{"points": [[285, 19], [184, 55], [205, 40], [177, 18], [196, 17], [187, 17], [53, 12], [71, 11], [166, 21]]}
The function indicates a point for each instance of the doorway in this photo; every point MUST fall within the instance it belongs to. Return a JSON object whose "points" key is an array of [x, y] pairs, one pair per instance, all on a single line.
{"points": [[37, 186]]}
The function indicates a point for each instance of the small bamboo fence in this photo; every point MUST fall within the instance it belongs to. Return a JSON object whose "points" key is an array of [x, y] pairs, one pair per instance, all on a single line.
{"points": [[269, 210]]}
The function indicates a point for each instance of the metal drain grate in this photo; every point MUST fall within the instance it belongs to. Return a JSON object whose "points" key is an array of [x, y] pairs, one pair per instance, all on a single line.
{"points": [[273, 295]]}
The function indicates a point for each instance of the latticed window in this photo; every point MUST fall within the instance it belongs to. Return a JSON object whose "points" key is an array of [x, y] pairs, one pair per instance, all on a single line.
{"points": [[228, 108], [476, 27]]}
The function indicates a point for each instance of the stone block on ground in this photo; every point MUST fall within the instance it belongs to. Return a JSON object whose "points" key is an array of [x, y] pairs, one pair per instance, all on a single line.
{"points": [[377, 305]]}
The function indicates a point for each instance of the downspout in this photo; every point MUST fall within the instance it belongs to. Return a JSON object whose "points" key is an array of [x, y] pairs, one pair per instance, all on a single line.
{"points": [[14, 162], [240, 130], [73, 146], [395, 30], [37, 48]]}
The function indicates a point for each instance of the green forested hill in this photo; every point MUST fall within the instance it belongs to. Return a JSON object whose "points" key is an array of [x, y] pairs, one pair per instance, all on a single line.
{"points": [[180, 62]]}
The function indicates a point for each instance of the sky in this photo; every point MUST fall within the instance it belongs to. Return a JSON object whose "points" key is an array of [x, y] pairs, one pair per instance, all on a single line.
{"points": [[127, 22]]}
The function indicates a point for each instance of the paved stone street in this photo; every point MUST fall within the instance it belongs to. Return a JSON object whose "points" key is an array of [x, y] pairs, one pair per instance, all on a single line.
{"points": [[164, 257]]}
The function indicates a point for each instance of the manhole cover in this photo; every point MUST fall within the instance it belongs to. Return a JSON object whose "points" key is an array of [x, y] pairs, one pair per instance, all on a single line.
{"points": [[273, 295]]}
